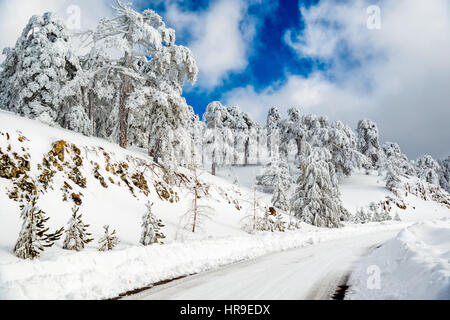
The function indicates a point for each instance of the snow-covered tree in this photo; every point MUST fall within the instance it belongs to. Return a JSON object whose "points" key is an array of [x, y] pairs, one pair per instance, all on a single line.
{"points": [[268, 221], [267, 180], [373, 213], [392, 179], [280, 224], [368, 143], [342, 144], [296, 129], [34, 236], [99, 91], [283, 183], [316, 198], [152, 70], [445, 174], [396, 160], [215, 132], [109, 240], [40, 75], [273, 131], [76, 234], [428, 169], [151, 228]]}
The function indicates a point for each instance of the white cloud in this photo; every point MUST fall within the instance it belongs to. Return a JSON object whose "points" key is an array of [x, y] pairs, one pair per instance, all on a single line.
{"points": [[14, 15], [220, 38], [401, 81]]}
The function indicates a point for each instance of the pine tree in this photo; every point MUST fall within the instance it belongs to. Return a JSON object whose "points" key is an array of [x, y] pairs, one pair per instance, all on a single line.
{"points": [[428, 169], [316, 198], [40, 75], [151, 228], [34, 236], [396, 161], [76, 234], [152, 71], [368, 143], [109, 240], [362, 216], [283, 183], [273, 131], [444, 174], [267, 221], [280, 225], [214, 115], [392, 179]]}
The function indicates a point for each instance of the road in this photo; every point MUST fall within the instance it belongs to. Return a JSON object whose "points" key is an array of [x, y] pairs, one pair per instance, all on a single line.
{"points": [[311, 272]]}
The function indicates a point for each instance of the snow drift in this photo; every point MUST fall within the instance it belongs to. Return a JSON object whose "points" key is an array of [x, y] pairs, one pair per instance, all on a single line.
{"points": [[414, 265]]}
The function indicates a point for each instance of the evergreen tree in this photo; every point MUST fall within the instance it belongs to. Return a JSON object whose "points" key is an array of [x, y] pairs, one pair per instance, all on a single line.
{"points": [[151, 228], [109, 240], [444, 174], [40, 75], [215, 132], [428, 169], [368, 143], [267, 222], [280, 225], [283, 183], [392, 179], [273, 131], [316, 199], [396, 161], [76, 234], [34, 236], [152, 71]]}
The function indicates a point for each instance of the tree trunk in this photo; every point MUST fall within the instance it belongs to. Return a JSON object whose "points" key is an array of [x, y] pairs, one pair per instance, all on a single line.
{"points": [[195, 206], [91, 111], [246, 151], [123, 110], [213, 160]]}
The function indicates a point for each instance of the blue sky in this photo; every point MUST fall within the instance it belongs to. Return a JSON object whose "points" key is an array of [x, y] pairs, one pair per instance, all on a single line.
{"points": [[270, 57]]}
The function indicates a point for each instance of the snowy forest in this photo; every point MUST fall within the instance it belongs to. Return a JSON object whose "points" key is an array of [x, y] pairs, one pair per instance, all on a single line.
{"points": [[127, 88]]}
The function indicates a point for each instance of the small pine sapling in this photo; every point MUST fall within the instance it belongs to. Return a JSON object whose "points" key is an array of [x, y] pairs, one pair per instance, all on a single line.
{"points": [[76, 235], [280, 225], [151, 228], [34, 236], [109, 240], [251, 222]]}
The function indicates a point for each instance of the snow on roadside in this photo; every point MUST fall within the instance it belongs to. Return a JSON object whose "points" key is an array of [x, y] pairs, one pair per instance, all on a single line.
{"points": [[414, 265], [90, 275]]}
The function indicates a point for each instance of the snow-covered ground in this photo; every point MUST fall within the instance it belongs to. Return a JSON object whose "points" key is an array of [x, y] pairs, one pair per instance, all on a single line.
{"points": [[308, 272], [413, 265], [220, 240]]}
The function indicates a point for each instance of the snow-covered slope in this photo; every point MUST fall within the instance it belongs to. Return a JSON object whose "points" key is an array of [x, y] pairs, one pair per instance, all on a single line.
{"points": [[111, 203], [113, 185]]}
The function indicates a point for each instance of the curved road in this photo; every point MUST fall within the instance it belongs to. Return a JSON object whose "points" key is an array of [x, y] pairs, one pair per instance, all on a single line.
{"points": [[311, 272]]}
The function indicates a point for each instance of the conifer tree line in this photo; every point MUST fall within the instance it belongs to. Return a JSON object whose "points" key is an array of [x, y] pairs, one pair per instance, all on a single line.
{"points": [[127, 88]]}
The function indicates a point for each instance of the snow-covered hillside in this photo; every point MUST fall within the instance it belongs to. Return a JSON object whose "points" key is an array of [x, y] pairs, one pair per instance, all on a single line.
{"points": [[112, 187]]}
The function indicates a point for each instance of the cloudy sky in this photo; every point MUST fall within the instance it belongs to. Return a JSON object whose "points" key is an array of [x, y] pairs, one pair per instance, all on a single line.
{"points": [[318, 55]]}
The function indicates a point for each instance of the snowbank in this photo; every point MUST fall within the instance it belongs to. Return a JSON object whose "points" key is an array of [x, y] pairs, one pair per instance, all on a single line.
{"points": [[93, 275], [414, 265]]}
